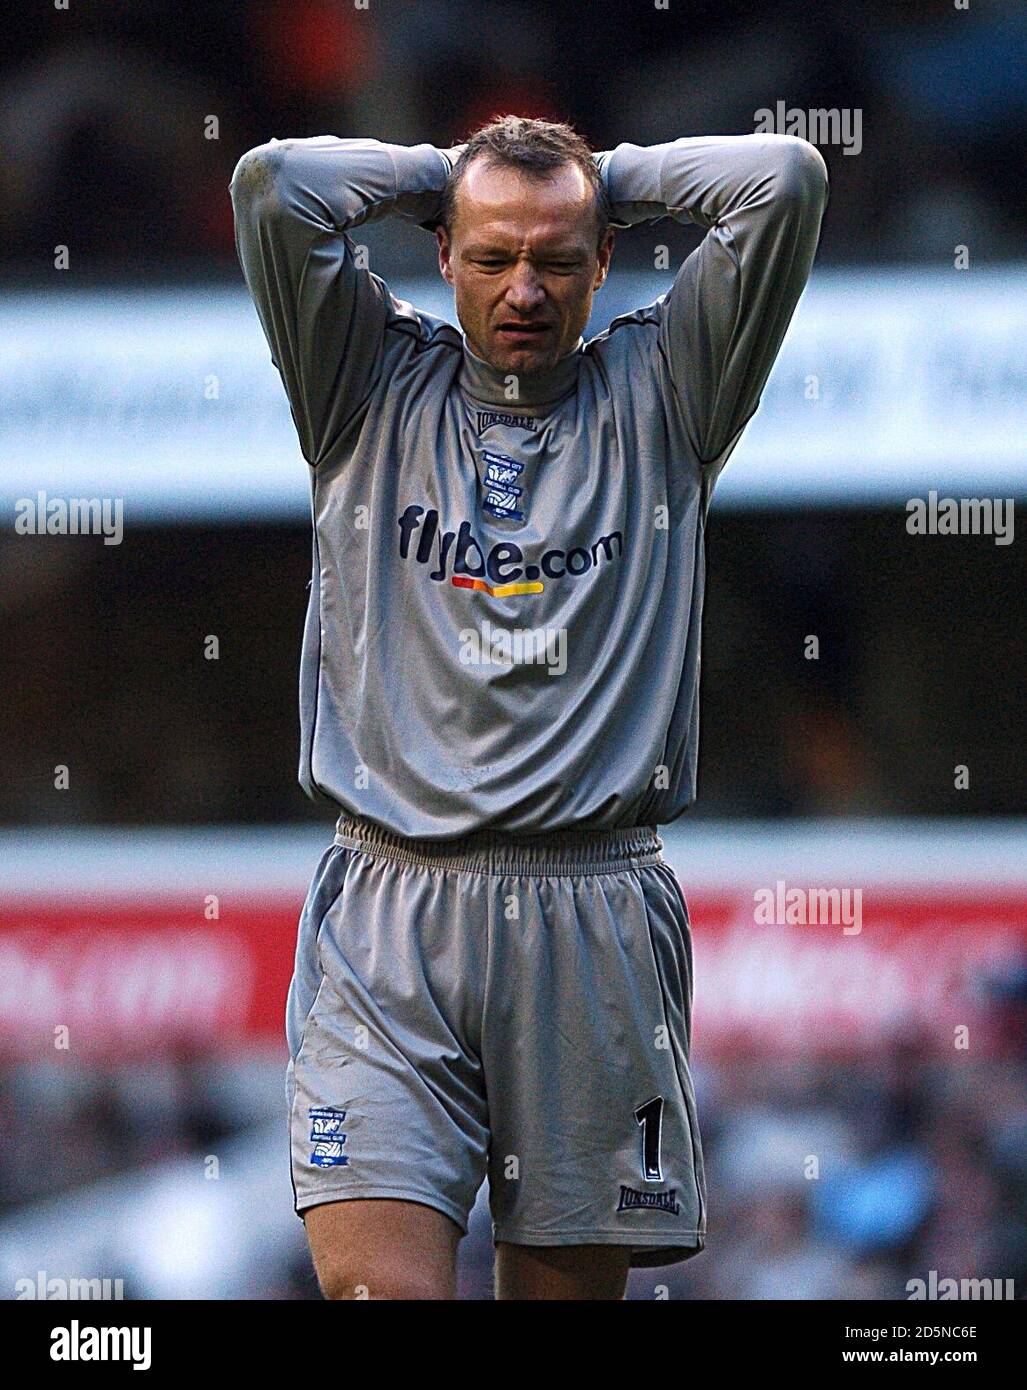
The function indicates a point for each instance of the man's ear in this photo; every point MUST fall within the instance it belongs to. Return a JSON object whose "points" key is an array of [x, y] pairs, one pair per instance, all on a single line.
{"points": [[445, 269], [604, 254]]}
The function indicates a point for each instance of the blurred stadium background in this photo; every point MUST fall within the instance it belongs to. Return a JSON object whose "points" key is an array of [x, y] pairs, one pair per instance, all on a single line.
{"points": [[152, 1148]]}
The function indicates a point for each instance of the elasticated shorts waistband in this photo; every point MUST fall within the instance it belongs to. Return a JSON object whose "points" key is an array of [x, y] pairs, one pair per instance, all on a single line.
{"points": [[504, 852]]}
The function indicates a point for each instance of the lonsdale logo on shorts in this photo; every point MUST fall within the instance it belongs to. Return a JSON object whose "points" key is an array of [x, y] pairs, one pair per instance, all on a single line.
{"points": [[633, 1200], [502, 570]]}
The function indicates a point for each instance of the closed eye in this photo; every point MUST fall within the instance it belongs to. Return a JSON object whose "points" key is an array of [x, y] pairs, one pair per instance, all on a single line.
{"points": [[498, 262]]}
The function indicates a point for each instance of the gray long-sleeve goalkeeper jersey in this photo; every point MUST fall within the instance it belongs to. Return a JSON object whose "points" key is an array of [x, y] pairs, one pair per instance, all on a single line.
{"points": [[503, 629]]}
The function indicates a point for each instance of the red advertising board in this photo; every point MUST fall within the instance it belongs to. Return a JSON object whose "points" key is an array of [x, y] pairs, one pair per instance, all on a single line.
{"points": [[135, 975]]}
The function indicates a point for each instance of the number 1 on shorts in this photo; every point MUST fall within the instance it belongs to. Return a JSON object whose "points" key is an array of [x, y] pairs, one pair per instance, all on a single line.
{"points": [[649, 1117]]}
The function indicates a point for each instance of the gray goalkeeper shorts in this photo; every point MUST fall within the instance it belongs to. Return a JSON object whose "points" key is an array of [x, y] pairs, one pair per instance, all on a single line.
{"points": [[509, 1007]]}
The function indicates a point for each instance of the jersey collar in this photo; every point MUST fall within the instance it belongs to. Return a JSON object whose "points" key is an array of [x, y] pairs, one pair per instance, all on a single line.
{"points": [[494, 387]]}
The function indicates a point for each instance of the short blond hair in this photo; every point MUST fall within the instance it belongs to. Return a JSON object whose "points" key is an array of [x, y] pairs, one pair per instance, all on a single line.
{"points": [[537, 148]]}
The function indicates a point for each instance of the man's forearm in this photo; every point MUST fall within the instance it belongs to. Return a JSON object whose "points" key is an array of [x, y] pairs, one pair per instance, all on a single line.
{"points": [[324, 315], [709, 179], [761, 199], [335, 184]]}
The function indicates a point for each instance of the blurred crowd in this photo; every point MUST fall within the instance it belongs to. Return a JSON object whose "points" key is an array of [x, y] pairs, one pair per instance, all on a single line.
{"points": [[922, 1166], [113, 1120], [826, 1180], [121, 124]]}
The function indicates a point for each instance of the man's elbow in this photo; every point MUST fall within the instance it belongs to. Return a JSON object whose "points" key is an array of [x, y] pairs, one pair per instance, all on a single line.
{"points": [[253, 180], [802, 172]]}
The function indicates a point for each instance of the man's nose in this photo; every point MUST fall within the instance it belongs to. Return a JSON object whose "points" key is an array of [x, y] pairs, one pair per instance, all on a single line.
{"points": [[524, 291]]}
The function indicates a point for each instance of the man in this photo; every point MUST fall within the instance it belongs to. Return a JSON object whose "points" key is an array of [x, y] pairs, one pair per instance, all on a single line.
{"points": [[499, 683]]}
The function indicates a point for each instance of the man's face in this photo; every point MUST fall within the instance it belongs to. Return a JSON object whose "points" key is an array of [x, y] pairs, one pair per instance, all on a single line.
{"points": [[521, 257]]}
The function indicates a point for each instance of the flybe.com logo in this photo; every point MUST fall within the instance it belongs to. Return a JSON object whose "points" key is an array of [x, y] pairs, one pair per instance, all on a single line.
{"points": [[501, 571]]}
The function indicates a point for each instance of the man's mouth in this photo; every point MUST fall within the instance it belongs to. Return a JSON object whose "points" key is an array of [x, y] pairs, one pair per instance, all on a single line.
{"points": [[522, 333]]}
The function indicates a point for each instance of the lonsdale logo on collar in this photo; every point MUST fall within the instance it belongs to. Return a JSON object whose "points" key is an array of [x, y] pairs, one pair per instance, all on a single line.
{"points": [[488, 418], [501, 571]]}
